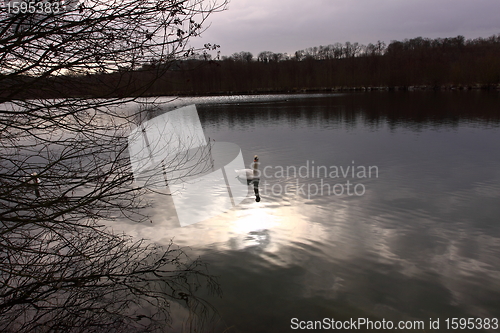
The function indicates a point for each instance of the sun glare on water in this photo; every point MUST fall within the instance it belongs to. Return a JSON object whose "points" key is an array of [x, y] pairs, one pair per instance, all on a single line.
{"points": [[254, 219]]}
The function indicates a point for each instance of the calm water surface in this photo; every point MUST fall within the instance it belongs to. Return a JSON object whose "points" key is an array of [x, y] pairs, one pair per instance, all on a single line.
{"points": [[420, 240]]}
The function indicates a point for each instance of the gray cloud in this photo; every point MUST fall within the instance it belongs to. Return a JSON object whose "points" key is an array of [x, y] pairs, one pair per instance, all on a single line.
{"points": [[290, 25]]}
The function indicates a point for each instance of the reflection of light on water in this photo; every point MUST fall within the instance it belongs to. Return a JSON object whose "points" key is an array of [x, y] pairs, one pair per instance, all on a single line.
{"points": [[254, 219]]}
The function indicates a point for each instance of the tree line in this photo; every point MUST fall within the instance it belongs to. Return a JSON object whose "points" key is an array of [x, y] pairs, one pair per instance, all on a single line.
{"points": [[412, 62], [422, 62]]}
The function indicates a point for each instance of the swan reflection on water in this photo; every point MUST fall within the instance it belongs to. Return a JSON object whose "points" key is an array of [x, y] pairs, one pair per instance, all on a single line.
{"points": [[251, 176]]}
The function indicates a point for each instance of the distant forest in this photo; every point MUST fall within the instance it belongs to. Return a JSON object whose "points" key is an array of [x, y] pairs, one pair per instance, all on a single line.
{"points": [[418, 63]]}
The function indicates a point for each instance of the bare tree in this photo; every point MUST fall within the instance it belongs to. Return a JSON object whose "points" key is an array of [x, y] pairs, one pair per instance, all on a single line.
{"points": [[67, 84], [265, 56]]}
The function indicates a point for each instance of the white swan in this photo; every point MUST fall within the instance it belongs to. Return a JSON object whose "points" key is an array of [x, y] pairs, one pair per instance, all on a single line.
{"points": [[249, 174]]}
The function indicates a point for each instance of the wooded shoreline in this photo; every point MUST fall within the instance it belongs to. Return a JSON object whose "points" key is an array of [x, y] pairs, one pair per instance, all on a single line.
{"points": [[415, 64], [344, 89]]}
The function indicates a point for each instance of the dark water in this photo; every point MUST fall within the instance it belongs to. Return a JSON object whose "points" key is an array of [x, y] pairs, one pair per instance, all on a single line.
{"points": [[419, 239]]}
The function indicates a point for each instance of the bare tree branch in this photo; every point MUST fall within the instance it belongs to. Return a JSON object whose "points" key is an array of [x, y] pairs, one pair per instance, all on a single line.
{"points": [[64, 167]]}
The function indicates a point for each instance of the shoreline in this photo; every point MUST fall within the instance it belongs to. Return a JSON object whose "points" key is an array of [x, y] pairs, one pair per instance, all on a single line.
{"points": [[475, 87], [266, 91]]}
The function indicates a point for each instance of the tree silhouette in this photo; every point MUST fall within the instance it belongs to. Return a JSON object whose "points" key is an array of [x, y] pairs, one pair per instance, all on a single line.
{"points": [[64, 167]]}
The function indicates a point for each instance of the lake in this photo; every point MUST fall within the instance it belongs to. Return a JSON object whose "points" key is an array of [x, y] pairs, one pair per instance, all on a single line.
{"points": [[382, 205]]}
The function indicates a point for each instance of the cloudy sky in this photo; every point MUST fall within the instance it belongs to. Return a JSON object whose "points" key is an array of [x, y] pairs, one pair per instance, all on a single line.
{"points": [[290, 25]]}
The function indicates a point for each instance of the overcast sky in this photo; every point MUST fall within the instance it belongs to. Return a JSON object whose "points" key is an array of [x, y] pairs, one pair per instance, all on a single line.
{"points": [[291, 25]]}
